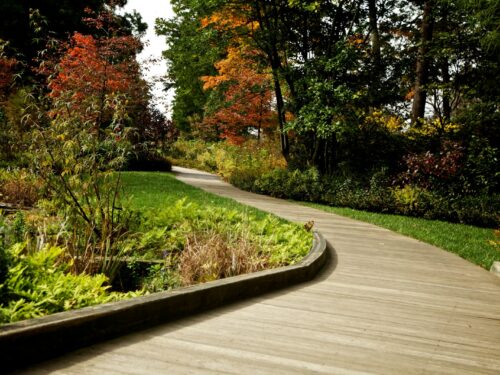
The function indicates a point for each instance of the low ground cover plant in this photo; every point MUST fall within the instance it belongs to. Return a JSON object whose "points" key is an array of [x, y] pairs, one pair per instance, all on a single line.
{"points": [[39, 283], [187, 235], [206, 237]]}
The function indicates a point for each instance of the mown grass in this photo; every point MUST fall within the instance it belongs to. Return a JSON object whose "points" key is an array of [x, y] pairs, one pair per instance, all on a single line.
{"points": [[181, 220], [152, 190], [469, 242]]}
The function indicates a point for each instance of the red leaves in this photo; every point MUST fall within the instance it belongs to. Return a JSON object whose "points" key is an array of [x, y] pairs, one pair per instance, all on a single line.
{"points": [[92, 68], [427, 169], [7, 67]]}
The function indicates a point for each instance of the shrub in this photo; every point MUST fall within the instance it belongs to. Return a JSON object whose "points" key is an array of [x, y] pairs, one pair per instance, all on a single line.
{"points": [[272, 183], [186, 152], [409, 200], [20, 187], [481, 174], [434, 170], [480, 210], [282, 183], [38, 284], [237, 164]]}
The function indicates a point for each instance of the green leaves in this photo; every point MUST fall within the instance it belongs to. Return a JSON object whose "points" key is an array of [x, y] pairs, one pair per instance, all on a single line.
{"points": [[38, 284]]}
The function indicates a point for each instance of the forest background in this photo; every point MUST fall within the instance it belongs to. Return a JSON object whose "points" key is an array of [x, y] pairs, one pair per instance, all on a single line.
{"points": [[388, 106]]}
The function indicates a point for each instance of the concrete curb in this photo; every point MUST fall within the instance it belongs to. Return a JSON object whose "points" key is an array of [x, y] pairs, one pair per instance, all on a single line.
{"points": [[34, 340]]}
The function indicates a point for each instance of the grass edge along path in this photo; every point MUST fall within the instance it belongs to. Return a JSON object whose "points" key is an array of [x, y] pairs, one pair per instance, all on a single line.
{"points": [[287, 242], [467, 241], [139, 186]]}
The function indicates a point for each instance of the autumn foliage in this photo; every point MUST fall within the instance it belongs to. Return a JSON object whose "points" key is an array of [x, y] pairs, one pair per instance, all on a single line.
{"points": [[7, 67], [90, 70], [247, 96], [246, 86]]}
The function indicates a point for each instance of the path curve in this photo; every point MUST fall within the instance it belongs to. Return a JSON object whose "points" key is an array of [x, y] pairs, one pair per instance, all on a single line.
{"points": [[387, 304]]}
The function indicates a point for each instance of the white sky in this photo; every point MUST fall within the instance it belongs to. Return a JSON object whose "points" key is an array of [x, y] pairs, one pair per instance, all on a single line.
{"points": [[150, 10]]}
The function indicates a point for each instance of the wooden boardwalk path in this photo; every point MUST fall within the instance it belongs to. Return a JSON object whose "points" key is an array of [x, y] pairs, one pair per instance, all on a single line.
{"points": [[386, 304]]}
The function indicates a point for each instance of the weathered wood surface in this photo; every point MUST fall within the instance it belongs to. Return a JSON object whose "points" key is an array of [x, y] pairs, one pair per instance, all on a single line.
{"points": [[387, 304]]}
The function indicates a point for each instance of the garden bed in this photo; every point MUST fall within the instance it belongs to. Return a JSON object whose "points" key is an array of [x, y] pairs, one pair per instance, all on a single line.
{"points": [[175, 236], [38, 339]]}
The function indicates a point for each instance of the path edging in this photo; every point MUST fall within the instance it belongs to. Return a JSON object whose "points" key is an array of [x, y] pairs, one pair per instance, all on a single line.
{"points": [[38, 339]]}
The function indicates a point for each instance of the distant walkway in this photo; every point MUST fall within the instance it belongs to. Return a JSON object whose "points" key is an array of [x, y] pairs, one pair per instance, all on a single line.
{"points": [[387, 304]]}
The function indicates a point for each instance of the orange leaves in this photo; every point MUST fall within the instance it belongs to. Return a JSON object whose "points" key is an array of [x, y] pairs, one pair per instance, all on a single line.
{"points": [[246, 105], [238, 65], [7, 67], [228, 19], [409, 96], [247, 99], [92, 68]]}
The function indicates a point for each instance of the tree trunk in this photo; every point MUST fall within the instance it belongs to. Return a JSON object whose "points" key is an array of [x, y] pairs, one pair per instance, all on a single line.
{"points": [[280, 107], [374, 33], [267, 19], [422, 69], [445, 71]]}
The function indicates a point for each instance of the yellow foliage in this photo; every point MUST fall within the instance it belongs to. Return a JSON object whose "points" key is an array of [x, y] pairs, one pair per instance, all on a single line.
{"points": [[227, 19], [392, 123], [431, 128], [236, 66], [408, 197]]}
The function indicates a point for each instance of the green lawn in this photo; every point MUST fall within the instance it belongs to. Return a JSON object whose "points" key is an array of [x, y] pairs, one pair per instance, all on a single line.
{"points": [[151, 190], [185, 210], [469, 242]]}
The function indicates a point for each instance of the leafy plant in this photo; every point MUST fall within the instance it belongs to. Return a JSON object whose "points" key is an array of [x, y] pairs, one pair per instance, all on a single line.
{"points": [[38, 284], [81, 138]]}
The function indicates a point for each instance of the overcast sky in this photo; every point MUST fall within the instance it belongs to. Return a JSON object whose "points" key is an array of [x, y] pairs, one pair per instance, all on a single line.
{"points": [[150, 10]]}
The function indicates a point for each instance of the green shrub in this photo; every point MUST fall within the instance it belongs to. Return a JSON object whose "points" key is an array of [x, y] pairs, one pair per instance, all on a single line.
{"points": [[412, 200], [272, 183], [38, 284], [186, 152], [237, 164], [480, 210], [377, 196]]}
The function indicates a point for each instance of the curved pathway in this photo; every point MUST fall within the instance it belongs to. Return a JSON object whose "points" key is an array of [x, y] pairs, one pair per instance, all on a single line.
{"points": [[386, 304]]}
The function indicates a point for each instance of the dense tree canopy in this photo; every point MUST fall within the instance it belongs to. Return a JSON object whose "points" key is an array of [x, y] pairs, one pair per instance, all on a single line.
{"points": [[355, 84]]}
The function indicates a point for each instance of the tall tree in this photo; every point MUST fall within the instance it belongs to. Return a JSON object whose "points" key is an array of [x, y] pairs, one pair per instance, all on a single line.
{"points": [[247, 99], [422, 63], [191, 53]]}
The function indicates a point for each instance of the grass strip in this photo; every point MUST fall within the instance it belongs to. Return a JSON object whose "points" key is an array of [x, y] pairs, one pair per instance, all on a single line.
{"points": [[469, 242], [152, 190]]}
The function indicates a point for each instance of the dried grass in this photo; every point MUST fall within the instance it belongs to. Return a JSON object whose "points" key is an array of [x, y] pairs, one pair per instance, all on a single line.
{"points": [[210, 256], [20, 189]]}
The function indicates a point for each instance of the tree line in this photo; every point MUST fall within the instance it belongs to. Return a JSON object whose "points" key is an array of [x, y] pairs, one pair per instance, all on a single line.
{"points": [[73, 60], [348, 86]]}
